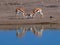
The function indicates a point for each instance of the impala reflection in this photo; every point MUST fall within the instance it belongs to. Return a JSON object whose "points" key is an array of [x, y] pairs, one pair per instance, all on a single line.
{"points": [[35, 29]]}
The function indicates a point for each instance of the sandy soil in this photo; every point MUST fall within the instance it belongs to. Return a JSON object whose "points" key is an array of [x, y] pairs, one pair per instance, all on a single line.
{"points": [[50, 8]]}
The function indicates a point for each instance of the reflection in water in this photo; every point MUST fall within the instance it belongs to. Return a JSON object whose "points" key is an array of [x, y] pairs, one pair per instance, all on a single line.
{"points": [[21, 32], [36, 30]]}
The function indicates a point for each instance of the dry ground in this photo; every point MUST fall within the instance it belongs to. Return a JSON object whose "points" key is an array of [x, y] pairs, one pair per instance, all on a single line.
{"points": [[50, 8]]}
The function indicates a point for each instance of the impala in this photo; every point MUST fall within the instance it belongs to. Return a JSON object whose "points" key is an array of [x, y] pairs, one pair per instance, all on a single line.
{"points": [[20, 10], [35, 11]]}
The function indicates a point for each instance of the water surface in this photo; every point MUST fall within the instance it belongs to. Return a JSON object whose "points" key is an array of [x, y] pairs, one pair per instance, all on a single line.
{"points": [[29, 35]]}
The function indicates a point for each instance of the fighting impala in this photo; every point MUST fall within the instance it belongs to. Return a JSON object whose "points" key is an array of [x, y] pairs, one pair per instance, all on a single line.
{"points": [[33, 12]]}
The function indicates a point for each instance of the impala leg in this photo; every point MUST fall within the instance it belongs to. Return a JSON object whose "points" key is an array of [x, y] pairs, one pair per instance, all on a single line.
{"points": [[31, 15], [41, 13], [18, 12]]}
